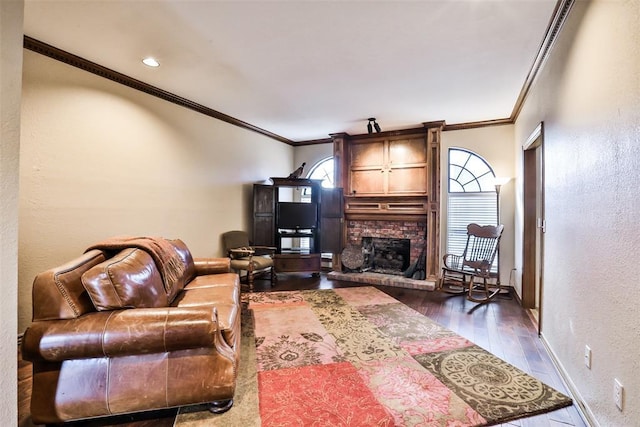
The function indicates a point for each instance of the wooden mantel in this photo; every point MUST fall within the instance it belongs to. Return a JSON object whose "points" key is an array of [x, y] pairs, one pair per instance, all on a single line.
{"points": [[393, 176]]}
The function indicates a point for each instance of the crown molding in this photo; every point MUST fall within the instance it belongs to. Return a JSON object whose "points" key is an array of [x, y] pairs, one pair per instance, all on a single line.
{"points": [[107, 73], [479, 124], [313, 142], [559, 17]]}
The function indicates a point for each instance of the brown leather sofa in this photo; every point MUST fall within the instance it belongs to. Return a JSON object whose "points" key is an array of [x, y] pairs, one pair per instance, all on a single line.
{"points": [[115, 331]]}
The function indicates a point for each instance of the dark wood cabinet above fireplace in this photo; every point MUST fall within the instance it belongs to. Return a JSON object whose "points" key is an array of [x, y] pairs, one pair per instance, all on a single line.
{"points": [[394, 165]]}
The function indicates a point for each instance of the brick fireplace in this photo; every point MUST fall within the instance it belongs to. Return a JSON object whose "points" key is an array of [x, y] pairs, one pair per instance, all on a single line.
{"points": [[413, 230], [391, 189]]}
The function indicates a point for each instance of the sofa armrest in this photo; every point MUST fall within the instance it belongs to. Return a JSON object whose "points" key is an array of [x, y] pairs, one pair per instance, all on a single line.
{"points": [[205, 266], [121, 333]]}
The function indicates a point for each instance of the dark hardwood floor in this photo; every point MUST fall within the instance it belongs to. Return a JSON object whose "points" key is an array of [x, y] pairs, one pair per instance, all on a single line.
{"points": [[501, 327]]}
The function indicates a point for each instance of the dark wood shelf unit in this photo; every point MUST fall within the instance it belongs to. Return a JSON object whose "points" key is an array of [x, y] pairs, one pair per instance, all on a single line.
{"points": [[325, 234]]}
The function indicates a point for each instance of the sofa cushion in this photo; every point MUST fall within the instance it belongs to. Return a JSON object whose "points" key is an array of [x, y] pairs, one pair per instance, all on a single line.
{"points": [[58, 292], [214, 281], [128, 280]]}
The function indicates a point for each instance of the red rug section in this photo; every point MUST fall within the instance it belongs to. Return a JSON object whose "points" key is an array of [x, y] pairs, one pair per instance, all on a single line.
{"points": [[320, 395]]}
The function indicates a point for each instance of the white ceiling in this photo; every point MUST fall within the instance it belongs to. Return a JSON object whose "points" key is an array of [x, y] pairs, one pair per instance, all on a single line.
{"points": [[305, 69]]}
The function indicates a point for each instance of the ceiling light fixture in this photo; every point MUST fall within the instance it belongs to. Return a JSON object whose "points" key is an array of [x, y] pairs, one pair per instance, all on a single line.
{"points": [[373, 125], [150, 62]]}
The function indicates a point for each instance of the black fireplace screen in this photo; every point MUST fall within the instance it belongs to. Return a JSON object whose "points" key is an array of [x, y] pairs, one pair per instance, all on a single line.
{"points": [[386, 255]]}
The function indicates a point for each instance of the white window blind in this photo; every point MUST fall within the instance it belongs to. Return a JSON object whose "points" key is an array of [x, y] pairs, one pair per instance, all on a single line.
{"points": [[463, 209]]}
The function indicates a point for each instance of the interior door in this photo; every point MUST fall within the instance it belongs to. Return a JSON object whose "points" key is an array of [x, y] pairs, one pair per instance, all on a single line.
{"points": [[540, 228], [534, 225]]}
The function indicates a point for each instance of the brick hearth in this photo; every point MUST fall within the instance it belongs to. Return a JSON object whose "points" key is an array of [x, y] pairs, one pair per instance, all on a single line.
{"points": [[383, 280]]}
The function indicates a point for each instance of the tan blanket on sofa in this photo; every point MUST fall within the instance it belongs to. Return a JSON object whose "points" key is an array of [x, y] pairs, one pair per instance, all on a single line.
{"points": [[161, 250]]}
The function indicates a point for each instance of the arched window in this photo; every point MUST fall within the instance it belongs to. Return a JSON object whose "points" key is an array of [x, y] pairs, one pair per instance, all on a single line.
{"points": [[322, 170], [472, 197], [469, 172]]}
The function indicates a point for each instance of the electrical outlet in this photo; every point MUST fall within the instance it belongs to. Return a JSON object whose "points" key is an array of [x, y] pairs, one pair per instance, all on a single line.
{"points": [[587, 356], [618, 393]]}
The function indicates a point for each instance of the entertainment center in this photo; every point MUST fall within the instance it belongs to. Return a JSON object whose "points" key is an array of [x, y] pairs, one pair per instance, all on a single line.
{"points": [[284, 223]]}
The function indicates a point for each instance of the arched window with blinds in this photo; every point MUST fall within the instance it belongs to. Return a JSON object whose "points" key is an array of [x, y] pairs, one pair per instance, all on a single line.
{"points": [[472, 197]]}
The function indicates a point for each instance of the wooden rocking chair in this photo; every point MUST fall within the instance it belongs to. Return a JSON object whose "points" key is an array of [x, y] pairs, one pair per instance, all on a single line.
{"points": [[469, 273]]}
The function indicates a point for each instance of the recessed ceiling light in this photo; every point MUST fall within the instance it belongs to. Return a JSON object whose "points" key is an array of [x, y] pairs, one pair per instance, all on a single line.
{"points": [[151, 62]]}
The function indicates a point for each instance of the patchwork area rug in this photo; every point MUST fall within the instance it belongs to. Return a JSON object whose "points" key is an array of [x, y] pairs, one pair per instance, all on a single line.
{"points": [[357, 357]]}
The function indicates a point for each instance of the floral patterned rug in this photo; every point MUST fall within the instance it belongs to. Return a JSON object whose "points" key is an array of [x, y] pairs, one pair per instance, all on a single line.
{"points": [[357, 357]]}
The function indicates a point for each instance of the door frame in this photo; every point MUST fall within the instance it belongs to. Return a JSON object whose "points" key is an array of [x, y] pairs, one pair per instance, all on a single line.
{"points": [[532, 175]]}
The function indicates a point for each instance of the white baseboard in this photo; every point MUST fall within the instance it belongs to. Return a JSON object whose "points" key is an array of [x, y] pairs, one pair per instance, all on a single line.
{"points": [[583, 409]]}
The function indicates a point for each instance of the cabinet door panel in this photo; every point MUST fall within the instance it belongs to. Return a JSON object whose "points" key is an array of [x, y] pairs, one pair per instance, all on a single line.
{"points": [[263, 199], [367, 154], [263, 215], [404, 151], [263, 231], [365, 182], [408, 180], [331, 212]]}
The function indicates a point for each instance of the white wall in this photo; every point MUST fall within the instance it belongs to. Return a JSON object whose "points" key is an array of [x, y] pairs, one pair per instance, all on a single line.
{"points": [[11, 13], [588, 96], [495, 145], [99, 159]]}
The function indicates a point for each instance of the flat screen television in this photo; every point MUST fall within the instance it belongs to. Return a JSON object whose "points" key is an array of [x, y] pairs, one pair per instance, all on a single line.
{"points": [[297, 216]]}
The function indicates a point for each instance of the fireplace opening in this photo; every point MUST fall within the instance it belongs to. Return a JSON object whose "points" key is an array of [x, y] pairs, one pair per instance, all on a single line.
{"points": [[386, 255]]}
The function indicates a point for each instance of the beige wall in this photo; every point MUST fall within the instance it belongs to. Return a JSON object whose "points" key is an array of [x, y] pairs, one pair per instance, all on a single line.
{"points": [[588, 97], [11, 13], [495, 145], [99, 159], [312, 154]]}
